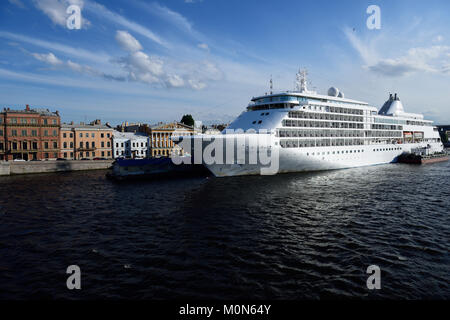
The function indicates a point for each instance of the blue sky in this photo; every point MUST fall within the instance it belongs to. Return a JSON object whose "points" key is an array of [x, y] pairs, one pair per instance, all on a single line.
{"points": [[152, 61]]}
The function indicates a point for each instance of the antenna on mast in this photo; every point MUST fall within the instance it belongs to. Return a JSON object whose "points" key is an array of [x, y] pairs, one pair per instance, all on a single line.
{"points": [[302, 81], [271, 84]]}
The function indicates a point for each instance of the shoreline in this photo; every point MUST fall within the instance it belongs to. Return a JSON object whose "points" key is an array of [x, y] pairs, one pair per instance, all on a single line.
{"points": [[9, 168]]}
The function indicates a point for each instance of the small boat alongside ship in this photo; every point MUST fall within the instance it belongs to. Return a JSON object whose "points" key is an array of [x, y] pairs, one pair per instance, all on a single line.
{"points": [[152, 168], [422, 156]]}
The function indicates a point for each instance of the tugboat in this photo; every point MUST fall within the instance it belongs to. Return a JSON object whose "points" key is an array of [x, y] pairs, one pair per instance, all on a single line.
{"points": [[423, 156]]}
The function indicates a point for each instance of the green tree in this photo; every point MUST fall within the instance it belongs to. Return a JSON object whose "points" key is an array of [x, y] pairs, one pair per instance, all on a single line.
{"points": [[188, 120]]}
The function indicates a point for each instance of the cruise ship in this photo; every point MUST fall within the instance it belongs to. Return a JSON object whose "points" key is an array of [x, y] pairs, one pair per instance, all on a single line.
{"points": [[310, 132]]}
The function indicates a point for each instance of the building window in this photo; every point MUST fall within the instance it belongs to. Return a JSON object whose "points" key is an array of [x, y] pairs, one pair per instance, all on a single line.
{"points": [[109, 153], [71, 154], [87, 154], [14, 145], [55, 133], [13, 120], [108, 144], [64, 135], [14, 133], [55, 155], [1, 146], [55, 122], [71, 144], [33, 121], [108, 135], [46, 155], [93, 144], [87, 144], [81, 135], [24, 146], [93, 154], [102, 135], [1, 132], [65, 154], [34, 133], [55, 145], [46, 145], [93, 135], [35, 145], [71, 135], [87, 135], [103, 153], [24, 133], [103, 143], [45, 133], [45, 122], [65, 146], [81, 144], [23, 121]]}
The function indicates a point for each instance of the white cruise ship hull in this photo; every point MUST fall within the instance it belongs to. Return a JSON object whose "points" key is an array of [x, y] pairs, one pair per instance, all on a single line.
{"points": [[296, 160]]}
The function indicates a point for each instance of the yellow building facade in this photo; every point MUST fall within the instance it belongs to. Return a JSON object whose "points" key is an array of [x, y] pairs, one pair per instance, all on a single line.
{"points": [[86, 141]]}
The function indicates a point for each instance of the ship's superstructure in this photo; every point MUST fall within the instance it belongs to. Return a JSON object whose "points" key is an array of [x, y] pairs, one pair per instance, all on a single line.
{"points": [[319, 132]]}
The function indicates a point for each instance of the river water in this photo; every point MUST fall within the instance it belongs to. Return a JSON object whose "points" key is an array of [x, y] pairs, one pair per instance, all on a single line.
{"points": [[290, 236]]}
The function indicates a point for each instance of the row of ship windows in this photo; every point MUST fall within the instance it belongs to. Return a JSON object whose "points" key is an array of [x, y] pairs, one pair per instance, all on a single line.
{"points": [[320, 143], [386, 127], [321, 124], [320, 133], [323, 116], [337, 133], [334, 152], [349, 151]]}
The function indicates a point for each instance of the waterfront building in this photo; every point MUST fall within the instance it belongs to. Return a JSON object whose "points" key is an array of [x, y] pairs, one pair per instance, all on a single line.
{"points": [[160, 135], [86, 141], [161, 138], [30, 134], [130, 145]]}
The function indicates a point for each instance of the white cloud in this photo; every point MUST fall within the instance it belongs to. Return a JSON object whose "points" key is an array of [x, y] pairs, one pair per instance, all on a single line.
{"points": [[196, 84], [418, 59], [174, 81], [153, 70], [203, 46], [17, 3], [127, 41], [171, 16], [98, 57], [105, 13], [56, 10], [438, 38], [52, 60], [48, 58], [365, 50]]}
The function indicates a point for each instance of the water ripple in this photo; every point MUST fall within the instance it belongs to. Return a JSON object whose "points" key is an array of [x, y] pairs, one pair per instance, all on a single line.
{"points": [[290, 236]]}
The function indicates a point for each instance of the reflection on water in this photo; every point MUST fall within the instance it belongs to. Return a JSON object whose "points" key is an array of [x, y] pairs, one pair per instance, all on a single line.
{"points": [[290, 236]]}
